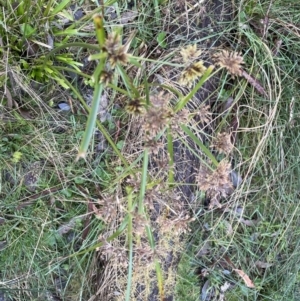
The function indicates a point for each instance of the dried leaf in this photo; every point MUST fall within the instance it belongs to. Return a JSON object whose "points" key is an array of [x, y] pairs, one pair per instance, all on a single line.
{"points": [[128, 16], [245, 278], [50, 41], [26, 114], [236, 179], [31, 48], [207, 292], [234, 124], [65, 228], [205, 249], [87, 223], [276, 48], [250, 223], [31, 178], [225, 287], [263, 265], [3, 244], [255, 83], [227, 105], [10, 101]]}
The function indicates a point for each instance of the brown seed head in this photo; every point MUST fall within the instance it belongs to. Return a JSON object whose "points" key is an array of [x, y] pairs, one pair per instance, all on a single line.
{"points": [[116, 52], [155, 119], [217, 181], [232, 61], [204, 114], [106, 77], [190, 53], [135, 106], [160, 99], [191, 73], [153, 146], [222, 143]]}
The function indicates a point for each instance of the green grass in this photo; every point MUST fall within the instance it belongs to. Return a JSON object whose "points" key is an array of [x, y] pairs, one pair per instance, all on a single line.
{"points": [[87, 228], [267, 158]]}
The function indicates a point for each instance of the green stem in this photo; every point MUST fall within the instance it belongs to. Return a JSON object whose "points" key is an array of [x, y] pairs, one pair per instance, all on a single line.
{"points": [[130, 244], [185, 99], [171, 154], [90, 126], [143, 182], [98, 123], [200, 144]]}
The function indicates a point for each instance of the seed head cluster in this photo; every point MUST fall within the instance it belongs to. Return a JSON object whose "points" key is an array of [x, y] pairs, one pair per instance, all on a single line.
{"points": [[191, 73], [116, 52], [217, 183], [231, 61], [194, 67], [190, 53], [222, 143]]}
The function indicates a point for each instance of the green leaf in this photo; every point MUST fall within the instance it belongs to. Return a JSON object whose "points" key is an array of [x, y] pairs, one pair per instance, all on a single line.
{"points": [[67, 32], [120, 144], [161, 39], [200, 144], [97, 56], [27, 30], [60, 7], [78, 180], [61, 82], [16, 157]]}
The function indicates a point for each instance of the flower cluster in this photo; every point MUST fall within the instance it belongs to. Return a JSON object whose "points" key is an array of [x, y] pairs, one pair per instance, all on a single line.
{"points": [[194, 69], [231, 61], [217, 183], [116, 52], [222, 143]]}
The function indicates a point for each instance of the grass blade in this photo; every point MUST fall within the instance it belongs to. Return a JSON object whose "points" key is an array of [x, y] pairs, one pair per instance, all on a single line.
{"points": [[203, 79], [60, 7], [130, 243], [98, 123], [171, 155], [90, 126], [200, 144], [100, 32]]}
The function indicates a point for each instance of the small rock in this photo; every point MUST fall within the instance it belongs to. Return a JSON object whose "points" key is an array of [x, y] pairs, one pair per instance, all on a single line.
{"points": [[63, 106]]}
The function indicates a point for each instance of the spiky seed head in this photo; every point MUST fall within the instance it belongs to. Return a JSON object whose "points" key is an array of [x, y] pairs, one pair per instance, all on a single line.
{"points": [[112, 43], [190, 53], [116, 52], [217, 182], [191, 73], [153, 146], [231, 61], [106, 77], [107, 211], [204, 114], [135, 106], [222, 143], [178, 224], [140, 222], [160, 99], [181, 117], [155, 119], [119, 56]]}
